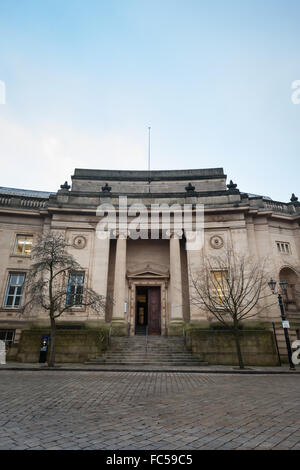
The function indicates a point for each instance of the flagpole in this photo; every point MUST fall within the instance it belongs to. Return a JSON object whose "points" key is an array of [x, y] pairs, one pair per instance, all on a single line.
{"points": [[149, 154]]}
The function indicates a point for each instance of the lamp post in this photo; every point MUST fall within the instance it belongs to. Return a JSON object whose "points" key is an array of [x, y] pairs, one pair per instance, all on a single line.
{"points": [[283, 285]]}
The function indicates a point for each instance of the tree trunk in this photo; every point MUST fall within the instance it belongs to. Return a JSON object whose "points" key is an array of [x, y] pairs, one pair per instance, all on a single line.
{"points": [[238, 346], [52, 343]]}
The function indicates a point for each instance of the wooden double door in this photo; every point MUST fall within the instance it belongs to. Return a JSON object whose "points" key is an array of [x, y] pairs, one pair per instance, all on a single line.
{"points": [[149, 308]]}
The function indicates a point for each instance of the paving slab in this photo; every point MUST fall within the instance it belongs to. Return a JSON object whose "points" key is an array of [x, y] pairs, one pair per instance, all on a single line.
{"points": [[148, 410]]}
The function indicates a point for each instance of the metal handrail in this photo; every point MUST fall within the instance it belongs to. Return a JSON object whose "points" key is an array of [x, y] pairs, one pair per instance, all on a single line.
{"points": [[146, 339], [102, 338], [276, 343], [184, 336]]}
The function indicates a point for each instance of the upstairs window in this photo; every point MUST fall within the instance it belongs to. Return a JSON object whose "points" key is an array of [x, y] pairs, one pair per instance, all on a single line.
{"points": [[14, 290], [220, 286], [23, 245], [283, 247], [75, 290]]}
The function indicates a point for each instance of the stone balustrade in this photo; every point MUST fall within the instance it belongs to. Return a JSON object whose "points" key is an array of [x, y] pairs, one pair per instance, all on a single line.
{"points": [[24, 202], [276, 206]]}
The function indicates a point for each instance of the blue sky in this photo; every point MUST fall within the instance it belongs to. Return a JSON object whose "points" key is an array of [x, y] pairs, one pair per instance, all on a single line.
{"points": [[84, 80]]}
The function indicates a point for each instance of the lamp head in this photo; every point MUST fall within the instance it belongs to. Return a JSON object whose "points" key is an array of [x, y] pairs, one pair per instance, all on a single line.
{"points": [[283, 285], [272, 285]]}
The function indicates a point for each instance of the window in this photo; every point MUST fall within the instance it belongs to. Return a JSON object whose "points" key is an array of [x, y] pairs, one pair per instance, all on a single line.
{"points": [[75, 290], [220, 285], [14, 290], [283, 247], [23, 245], [7, 336]]}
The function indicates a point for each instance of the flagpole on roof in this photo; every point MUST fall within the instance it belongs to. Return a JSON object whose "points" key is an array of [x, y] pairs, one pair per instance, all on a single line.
{"points": [[149, 155]]}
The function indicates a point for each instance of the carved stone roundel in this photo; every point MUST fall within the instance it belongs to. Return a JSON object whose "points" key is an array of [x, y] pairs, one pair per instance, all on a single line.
{"points": [[79, 242], [216, 241]]}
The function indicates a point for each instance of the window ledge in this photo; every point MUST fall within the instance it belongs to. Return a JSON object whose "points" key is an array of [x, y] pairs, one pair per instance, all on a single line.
{"points": [[76, 309], [11, 309]]}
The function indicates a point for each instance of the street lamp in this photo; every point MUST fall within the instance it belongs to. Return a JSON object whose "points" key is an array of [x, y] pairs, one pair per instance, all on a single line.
{"points": [[283, 286]]}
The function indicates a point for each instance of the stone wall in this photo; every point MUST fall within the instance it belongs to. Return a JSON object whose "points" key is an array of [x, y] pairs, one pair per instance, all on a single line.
{"points": [[71, 345], [168, 181], [218, 346], [140, 252]]}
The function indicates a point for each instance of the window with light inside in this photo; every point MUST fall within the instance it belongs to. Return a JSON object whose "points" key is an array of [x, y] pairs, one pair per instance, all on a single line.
{"points": [[220, 286], [23, 245]]}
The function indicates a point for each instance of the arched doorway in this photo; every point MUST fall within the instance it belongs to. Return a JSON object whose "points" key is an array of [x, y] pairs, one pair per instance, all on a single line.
{"points": [[292, 295]]}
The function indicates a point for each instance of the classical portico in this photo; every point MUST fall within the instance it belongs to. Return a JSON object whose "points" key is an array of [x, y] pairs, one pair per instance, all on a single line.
{"points": [[148, 274]]}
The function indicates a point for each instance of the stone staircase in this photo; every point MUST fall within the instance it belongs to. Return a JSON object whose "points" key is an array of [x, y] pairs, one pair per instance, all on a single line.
{"points": [[147, 351], [281, 340]]}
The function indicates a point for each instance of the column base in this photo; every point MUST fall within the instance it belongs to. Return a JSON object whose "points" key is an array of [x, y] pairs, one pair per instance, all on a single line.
{"points": [[118, 327], [175, 328]]}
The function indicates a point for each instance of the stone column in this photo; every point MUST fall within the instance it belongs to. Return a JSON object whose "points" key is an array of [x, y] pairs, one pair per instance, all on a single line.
{"points": [[120, 281], [98, 272], [194, 262], [175, 291], [99, 268]]}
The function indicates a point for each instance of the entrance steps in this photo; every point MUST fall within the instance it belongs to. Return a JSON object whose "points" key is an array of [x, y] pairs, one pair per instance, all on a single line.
{"points": [[147, 351], [281, 340]]}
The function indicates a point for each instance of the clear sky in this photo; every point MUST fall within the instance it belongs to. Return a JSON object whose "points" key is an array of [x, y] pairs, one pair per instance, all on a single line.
{"points": [[84, 80]]}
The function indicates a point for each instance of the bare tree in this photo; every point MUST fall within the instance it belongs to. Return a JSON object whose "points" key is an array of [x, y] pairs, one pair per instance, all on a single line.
{"points": [[48, 286], [230, 287]]}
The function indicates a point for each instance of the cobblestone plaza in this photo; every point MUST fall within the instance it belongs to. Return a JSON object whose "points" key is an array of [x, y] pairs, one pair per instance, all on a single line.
{"points": [[148, 410]]}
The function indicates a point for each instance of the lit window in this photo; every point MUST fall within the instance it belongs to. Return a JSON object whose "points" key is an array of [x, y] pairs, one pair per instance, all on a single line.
{"points": [[283, 247], [220, 285], [14, 290], [23, 245], [75, 290]]}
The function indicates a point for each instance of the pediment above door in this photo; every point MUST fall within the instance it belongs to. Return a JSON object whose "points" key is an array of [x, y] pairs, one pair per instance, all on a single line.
{"points": [[148, 270]]}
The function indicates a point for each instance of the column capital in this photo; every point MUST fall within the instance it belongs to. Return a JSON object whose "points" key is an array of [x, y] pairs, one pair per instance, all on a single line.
{"points": [[121, 234], [176, 235]]}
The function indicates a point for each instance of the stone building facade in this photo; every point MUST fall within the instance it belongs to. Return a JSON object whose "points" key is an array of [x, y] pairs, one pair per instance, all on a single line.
{"points": [[147, 278]]}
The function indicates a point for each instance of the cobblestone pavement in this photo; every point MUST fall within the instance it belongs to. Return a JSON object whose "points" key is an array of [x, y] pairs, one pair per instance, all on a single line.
{"points": [[128, 410]]}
